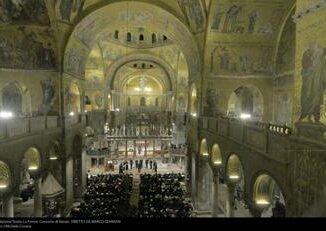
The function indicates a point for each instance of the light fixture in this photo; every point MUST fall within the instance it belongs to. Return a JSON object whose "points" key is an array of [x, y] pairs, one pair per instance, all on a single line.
{"points": [[262, 202], [3, 186], [53, 158], [6, 114], [245, 116], [72, 113], [194, 114], [234, 177], [137, 89], [85, 111], [217, 162], [117, 109], [205, 154], [33, 168]]}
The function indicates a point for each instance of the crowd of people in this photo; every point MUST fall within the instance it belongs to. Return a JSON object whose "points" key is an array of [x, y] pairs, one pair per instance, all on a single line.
{"points": [[106, 196], [137, 164], [161, 196]]}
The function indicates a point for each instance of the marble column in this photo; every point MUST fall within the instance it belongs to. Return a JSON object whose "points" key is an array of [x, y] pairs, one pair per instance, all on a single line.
{"points": [[193, 177], [230, 200], [38, 197], [8, 205], [135, 150], [215, 196], [69, 183], [203, 185]]}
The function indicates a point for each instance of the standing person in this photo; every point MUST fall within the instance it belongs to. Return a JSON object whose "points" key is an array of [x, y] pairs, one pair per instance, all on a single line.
{"points": [[151, 164], [155, 167], [131, 163], [141, 163], [136, 163], [120, 168], [127, 166], [139, 168]]}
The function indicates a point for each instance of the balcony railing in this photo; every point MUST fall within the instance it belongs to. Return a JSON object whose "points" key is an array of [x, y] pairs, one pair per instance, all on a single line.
{"points": [[262, 137], [22, 126]]}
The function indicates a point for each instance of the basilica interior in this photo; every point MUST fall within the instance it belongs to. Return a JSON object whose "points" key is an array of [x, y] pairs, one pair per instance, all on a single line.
{"points": [[162, 108]]}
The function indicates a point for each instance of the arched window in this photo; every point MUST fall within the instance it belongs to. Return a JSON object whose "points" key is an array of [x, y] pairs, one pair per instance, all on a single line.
{"points": [[128, 37], [143, 101], [116, 34], [135, 65], [12, 99], [153, 38], [143, 66], [141, 37], [164, 38]]}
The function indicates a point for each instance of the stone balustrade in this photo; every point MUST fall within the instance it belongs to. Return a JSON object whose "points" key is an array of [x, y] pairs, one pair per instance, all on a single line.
{"points": [[262, 137], [22, 126]]}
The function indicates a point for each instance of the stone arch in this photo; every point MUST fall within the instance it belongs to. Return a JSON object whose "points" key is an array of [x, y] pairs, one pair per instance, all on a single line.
{"points": [[144, 57], [216, 156], [246, 102], [15, 98], [234, 169], [268, 194], [5, 177], [203, 148], [87, 32]]}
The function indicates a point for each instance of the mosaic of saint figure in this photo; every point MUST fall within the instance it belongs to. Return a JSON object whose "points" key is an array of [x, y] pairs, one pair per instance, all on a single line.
{"points": [[313, 81]]}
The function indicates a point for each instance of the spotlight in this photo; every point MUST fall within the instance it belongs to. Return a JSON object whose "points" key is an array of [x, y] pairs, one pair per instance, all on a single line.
{"points": [[218, 162], [33, 168], [71, 113], [262, 202], [6, 114], [234, 177], [245, 116]]}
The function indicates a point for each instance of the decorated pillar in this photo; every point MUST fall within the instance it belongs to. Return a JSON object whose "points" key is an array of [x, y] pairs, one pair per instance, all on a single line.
{"points": [[215, 195], [8, 205], [38, 197], [230, 203], [69, 183]]}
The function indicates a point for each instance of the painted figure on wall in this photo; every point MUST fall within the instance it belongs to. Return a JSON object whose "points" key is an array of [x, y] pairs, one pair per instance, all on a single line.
{"points": [[217, 19], [26, 52], [211, 98], [313, 81], [231, 20], [252, 21], [69, 7], [99, 101], [197, 14], [48, 90], [16, 11], [224, 59]]}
